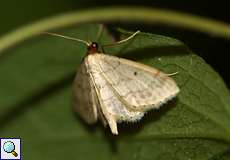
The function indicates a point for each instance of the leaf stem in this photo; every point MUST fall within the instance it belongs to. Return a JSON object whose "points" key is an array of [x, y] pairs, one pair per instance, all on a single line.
{"points": [[122, 14]]}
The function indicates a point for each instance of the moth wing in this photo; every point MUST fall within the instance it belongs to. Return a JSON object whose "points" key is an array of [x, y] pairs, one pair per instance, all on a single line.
{"points": [[85, 98], [140, 87], [111, 105]]}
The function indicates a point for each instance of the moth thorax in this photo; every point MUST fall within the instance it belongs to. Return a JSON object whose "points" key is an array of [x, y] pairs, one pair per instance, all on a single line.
{"points": [[93, 48]]}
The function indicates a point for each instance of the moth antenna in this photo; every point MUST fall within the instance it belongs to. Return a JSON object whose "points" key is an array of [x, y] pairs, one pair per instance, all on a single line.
{"points": [[124, 40], [88, 36], [100, 31], [67, 37]]}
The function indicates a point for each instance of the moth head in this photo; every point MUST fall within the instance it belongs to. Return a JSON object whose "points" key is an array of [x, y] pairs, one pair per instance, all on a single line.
{"points": [[93, 48]]}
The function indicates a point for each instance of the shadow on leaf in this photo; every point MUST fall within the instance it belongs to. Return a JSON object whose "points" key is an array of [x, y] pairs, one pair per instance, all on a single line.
{"points": [[26, 104], [145, 53]]}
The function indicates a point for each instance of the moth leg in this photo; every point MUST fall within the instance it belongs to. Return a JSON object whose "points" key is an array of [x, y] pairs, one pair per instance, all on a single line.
{"points": [[102, 117], [113, 125], [172, 74]]}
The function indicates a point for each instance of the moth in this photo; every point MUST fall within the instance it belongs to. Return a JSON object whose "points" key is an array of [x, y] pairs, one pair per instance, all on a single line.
{"points": [[113, 89]]}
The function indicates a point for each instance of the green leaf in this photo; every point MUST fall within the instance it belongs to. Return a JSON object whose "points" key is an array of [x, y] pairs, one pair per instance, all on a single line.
{"points": [[36, 103]]}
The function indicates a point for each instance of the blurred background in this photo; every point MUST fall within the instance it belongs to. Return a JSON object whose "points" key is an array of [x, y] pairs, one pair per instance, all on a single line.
{"points": [[213, 49]]}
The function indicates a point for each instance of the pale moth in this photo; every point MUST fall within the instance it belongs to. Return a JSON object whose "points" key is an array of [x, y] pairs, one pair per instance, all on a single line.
{"points": [[114, 89]]}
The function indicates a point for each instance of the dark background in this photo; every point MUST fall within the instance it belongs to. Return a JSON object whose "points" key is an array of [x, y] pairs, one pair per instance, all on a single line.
{"points": [[214, 50]]}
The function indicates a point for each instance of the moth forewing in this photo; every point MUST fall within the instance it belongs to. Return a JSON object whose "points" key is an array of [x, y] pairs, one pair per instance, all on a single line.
{"points": [[139, 86], [112, 104], [85, 100]]}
